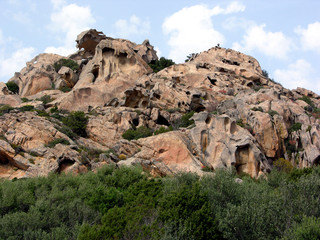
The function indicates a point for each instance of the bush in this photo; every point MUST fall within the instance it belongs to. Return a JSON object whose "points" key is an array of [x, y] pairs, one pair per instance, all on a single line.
{"points": [[13, 87], [283, 165], [25, 99], [273, 112], [26, 108], [163, 130], [5, 109], [66, 130], [295, 127], [67, 63], [77, 122], [56, 141], [308, 229], [184, 121], [45, 99], [260, 109], [140, 132], [65, 89], [161, 64], [265, 73]]}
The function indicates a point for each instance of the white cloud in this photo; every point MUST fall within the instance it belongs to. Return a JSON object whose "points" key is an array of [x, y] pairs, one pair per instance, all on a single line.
{"points": [[310, 37], [159, 54], [134, 26], [273, 44], [191, 29], [68, 22], [298, 74], [15, 62], [58, 3]]}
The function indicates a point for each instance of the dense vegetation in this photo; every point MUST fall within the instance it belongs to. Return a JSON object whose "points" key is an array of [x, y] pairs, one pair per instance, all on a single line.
{"points": [[13, 87], [67, 63], [126, 204], [161, 64]]}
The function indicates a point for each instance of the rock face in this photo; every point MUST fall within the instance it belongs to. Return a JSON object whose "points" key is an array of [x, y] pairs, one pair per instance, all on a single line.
{"points": [[242, 119]]}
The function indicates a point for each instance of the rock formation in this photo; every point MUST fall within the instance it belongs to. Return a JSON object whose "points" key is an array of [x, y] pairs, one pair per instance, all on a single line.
{"points": [[242, 118]]}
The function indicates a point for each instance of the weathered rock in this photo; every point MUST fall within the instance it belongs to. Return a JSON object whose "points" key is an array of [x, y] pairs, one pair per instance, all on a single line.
{"points": [[4, 89], [222, 143]]}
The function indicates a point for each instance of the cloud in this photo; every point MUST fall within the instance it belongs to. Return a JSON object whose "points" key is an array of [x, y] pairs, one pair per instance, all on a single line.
{"points": [[310, 37], [68, 22], [58, 3], [159, 53], [298, 74], [134, 26], [15, 62], [191, 30], [273, 44]]}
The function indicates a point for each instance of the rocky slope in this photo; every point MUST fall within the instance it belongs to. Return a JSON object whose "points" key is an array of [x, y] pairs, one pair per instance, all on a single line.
{"points": [[242, 118]]}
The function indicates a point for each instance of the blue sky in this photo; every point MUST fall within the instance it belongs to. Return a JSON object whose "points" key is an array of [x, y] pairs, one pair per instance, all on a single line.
{"points": [[283, 35]]}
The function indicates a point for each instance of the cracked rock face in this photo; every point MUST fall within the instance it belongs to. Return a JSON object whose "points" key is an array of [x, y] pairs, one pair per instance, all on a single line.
{"points": [[242, 118]]}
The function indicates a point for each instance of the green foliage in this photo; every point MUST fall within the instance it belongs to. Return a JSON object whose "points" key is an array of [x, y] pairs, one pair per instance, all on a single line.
{"points": [[308, 229], [13, 87], [309, 128], [140, 132], [265, 73], [260, 109], [25, 99], [273, 112], [67, 63], [161, 64], [307, 100], [163, 130], [173, 110], [295, 127], [283, 165], [56, 141], [240, 122], [26, 108], [65, 89], [5, 109], [67, 131], [184, 121], [45, 99], [77, 122]]}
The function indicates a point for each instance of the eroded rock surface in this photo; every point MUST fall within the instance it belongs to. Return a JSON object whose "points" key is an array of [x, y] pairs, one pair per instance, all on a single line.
{"points": [[242, 118]]}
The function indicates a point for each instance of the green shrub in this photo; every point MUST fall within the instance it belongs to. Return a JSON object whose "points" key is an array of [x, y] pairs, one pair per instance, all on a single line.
{"points": [[265, 73], [240, 122], [163, 130], [56, 141], [77, 122], [25, 99], [5, 109], [67, 63], [161, 64], [173, 110], [42, 113], [308, 229], [309, 128], [26, 108], [307, 100], [140, 132], [65, 89], [283, 165], [45, 99], [295, 127], [260, 109], [13, 87], [184, 121], [67, 131], [273, 112]]}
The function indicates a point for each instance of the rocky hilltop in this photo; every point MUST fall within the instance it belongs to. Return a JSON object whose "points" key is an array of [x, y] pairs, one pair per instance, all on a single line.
{"points": [[218, 109]]}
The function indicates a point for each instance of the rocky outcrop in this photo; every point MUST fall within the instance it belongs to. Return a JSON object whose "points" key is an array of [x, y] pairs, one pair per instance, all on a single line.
{"points": [[242, 118]]}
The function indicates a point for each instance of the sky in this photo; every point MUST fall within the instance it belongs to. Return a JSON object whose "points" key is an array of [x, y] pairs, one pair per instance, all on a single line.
{"points": [[283, 35]]}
